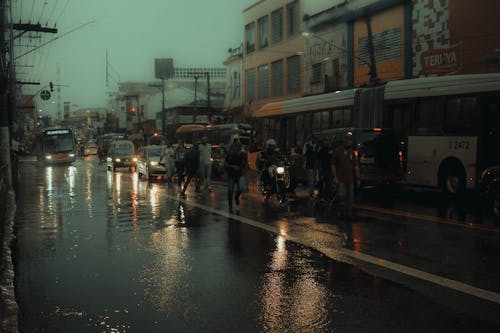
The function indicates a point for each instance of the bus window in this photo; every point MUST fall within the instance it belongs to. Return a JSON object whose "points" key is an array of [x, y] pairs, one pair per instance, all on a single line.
{"points": [[429, 116], [459, 115], [316, 125]]}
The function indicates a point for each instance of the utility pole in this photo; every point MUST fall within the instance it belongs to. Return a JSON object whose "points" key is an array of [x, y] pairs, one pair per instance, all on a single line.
{"points": [[196, 77], [209, 104], [5, 164]]}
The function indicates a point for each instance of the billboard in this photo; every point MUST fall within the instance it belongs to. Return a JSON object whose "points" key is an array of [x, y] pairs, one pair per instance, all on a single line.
{"points": [[164, 68]]}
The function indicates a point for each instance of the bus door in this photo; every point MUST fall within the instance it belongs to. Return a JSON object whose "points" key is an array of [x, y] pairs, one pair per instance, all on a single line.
{"points": [[489, 137]]}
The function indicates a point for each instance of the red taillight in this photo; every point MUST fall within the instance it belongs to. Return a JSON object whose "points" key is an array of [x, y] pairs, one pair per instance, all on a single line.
{"points": [[356, 154]]}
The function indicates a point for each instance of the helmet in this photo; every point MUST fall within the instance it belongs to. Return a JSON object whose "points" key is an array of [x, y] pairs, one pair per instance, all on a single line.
{"points": [[270, 142], [348, 136]]}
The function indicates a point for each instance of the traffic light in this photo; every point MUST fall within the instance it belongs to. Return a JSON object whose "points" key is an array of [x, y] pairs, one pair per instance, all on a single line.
{"points": [[51, 86]]}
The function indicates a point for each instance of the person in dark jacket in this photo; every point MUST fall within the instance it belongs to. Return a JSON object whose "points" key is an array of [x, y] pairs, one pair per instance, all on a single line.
{"points": [[235, 164], [191, 165], [179, 153]]}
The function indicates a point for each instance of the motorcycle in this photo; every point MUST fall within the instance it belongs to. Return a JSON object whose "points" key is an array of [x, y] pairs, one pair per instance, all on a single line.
{"points": [[276, 180]]}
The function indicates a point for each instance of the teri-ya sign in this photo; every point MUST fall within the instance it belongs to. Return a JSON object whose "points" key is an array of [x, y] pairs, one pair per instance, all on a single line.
{"points": [[442, 61]]}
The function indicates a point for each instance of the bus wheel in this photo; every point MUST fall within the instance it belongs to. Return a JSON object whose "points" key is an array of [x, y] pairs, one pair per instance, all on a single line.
{"points": [[453, 181]]}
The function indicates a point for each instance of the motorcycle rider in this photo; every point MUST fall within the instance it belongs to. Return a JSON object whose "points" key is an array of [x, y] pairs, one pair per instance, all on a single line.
{"points": [[267, 158]]}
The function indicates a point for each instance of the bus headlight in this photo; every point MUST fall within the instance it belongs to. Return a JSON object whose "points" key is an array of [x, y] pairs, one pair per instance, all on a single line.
{"points": [[117, 160], [280, 170]]}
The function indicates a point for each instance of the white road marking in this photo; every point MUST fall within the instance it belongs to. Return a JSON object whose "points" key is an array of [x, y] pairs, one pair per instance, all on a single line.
{"points": [[429, 277]]}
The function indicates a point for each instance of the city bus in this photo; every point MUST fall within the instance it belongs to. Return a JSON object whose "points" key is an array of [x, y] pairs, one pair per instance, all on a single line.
{"points": [[56, 146], [218, 134], [447, 127]]}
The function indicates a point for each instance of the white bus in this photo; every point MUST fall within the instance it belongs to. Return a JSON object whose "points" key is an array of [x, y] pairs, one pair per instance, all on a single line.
{"points": [[448, 127]]}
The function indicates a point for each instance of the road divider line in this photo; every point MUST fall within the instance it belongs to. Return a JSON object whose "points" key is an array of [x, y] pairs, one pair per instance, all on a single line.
{"points": [[426, 218], [406, 270]]}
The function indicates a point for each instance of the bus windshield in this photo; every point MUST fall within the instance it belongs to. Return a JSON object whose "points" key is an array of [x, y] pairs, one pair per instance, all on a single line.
{"points": [[60, 143]]}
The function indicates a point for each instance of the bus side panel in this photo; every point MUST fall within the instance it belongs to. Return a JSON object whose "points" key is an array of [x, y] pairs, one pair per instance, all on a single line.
{"points": [[426, 153]]}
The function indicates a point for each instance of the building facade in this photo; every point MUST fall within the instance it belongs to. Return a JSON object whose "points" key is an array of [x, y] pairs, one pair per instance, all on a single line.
{"points": [[273, 51], [233, 100], [455, 37]]}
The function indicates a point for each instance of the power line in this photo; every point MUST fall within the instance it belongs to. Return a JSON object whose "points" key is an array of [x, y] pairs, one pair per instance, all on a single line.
{"points": [[54, 39], [63, 10]]}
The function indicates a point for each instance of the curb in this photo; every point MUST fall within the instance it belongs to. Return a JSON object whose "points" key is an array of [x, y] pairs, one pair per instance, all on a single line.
{"points": [[8, 305]]}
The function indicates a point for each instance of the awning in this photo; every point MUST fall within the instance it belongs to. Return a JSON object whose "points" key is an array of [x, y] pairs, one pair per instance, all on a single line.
{"points": [[329, 101]]}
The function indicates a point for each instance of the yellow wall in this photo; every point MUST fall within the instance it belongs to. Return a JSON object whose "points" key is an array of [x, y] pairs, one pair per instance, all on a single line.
{"points": [[389, 69]]}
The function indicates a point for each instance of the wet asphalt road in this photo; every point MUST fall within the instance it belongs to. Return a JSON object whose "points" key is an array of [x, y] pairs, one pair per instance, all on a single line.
{"points": [[98, 251]]}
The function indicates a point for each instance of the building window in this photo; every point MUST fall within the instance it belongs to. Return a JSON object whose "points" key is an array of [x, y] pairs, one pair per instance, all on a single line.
{"points": [[250, 37], [336, 74], [386, 45], [293, 19], [263, 31], [277, 25], [316, 73], [293, 74], [277, 78], [264, 81], [250, 84]]}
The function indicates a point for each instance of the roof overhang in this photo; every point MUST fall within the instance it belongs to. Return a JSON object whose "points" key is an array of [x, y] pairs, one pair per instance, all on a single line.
{"points": [[329, 101]]}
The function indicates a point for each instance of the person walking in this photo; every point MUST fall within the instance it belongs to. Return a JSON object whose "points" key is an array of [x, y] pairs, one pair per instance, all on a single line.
{"points": [[345, 168], [205, 162], [235, 164], [325, 171], [310, 153], [191, 166], [179, 153], [167, 158]]}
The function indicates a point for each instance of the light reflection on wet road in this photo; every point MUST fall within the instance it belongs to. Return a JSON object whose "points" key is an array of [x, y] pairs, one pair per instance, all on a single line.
{"points": [[101, 251]]}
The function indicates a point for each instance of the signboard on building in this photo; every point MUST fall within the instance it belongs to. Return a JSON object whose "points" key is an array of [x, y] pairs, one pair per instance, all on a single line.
{"points": [[164, 68], [441, 60]]}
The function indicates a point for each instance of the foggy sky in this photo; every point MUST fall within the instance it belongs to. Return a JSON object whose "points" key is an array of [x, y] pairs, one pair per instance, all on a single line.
{"points": [[192, 32]]}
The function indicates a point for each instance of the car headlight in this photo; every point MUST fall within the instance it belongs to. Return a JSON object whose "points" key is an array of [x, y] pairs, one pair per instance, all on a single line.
{"points": [[117, 160], [48, 157], [71, 155], [154, 163], [280, 170], [134, 159]]}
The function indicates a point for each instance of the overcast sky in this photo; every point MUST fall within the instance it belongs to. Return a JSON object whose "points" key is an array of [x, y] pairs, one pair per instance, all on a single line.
{"points": [[192, 32]]}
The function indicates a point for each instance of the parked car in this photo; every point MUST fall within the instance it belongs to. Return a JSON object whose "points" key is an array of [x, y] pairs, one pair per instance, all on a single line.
{"points": [[490, 189], [90, 148], [148, 162], [121, 154]]}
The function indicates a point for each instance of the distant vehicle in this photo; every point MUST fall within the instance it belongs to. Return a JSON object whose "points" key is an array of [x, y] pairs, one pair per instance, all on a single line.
{"points": [[121, 154], [148, 166], [490, 189], [218, 158], [157, 139], [90, 148], [218, 134], [380, 158], [56, 146], [104, 141]]}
